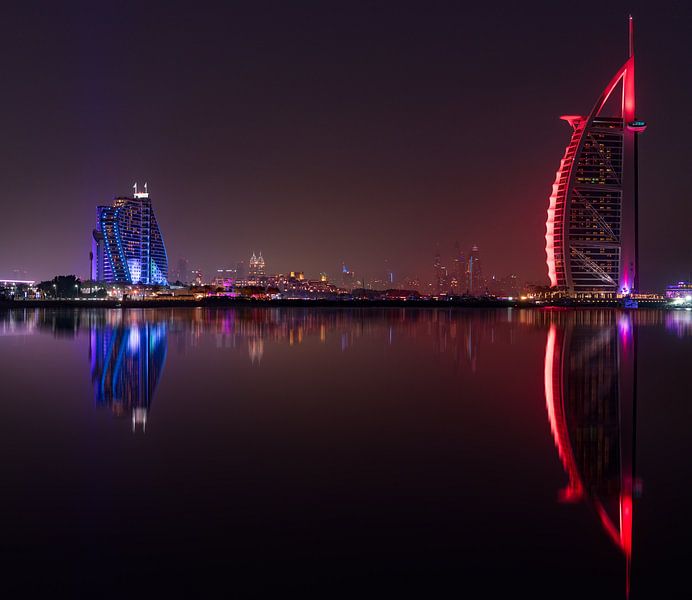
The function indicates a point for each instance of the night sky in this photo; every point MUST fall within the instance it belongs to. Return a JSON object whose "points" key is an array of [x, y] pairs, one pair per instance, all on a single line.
{"points": [[325, 132]]}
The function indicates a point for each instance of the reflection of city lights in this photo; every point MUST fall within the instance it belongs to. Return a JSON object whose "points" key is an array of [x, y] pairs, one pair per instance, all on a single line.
{"points": [[139, 417], [133, 341], [256, 350], [625, 328]]}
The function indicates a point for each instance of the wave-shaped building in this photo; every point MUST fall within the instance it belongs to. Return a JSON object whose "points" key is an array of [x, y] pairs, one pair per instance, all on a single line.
{"points": [[127, 242], [591, 231]]}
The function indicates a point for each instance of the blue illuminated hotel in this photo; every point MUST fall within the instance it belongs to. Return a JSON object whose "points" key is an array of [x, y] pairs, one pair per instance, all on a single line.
{"points": [[128, 245]]}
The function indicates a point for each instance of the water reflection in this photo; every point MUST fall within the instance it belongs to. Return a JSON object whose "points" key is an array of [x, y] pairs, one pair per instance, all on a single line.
{"points": [[590, 392], [127, 355], [417, 419]]}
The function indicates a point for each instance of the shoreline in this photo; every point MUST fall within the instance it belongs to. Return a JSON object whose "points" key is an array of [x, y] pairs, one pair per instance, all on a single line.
{"points": [[216, 302]]}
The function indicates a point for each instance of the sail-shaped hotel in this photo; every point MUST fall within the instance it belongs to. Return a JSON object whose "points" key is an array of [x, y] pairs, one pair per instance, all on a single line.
{"points": [[591, 231]]}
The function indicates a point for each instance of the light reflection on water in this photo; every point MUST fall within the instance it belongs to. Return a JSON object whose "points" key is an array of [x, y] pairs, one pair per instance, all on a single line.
{"points": [[583, 362]]}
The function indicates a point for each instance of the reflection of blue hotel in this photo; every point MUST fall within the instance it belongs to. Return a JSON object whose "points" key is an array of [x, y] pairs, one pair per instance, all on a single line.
{"points": [[127, 360]]}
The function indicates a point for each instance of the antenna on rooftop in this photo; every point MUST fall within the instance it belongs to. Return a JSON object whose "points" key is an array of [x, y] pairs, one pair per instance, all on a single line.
{"points": [[631, 37]]}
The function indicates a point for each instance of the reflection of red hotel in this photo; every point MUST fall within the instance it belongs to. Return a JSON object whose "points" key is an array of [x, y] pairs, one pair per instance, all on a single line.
{"points": [[590, 395], [591, 231]]}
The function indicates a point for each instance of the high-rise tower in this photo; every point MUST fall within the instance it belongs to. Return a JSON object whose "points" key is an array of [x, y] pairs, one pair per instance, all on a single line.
{"points": [[437, 272], [474, 273], [127, 242], [256, 267], [348, 277], [591, 231], [459, 275]]}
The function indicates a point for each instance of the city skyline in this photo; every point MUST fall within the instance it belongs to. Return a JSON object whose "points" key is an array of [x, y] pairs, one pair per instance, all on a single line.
{"points": [[362, 164], [127, 247], [327, 299]]}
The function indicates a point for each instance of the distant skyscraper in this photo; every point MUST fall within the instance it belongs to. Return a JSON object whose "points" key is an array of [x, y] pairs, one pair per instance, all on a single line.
{"points": [[441, 276], [389, 275], [474, 273], [127, 242], [459, 272], [591, 231], [256, 267], [183, 272], [348, 277]]}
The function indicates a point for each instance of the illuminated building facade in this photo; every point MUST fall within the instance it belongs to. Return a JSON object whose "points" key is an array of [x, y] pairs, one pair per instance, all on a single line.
{"points": [[441, 275], [225, 278], [348, 277], [256, 267], [474, 273], [591, 231], [127, 242], [681, 289], [458, 283]]}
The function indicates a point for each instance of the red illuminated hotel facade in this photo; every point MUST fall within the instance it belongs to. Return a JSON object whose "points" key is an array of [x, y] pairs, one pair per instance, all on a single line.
{"points": [[591, 231]]}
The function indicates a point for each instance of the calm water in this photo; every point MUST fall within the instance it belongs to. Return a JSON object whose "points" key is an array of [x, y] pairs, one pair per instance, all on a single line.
{"points": [[345, 453]]}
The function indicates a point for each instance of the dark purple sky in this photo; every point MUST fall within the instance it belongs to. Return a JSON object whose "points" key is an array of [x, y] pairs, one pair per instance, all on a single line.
{"points": [[329, 131]]}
